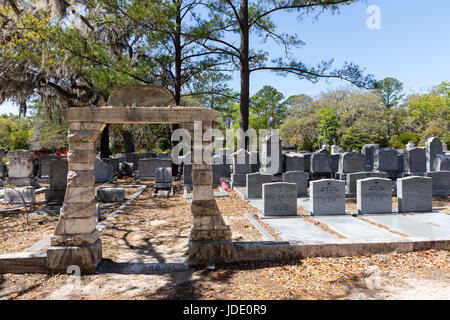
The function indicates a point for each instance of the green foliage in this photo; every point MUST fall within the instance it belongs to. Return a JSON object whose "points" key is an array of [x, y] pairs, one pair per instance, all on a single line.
{"points": [[265, 104], [163, 144], [15, 132], [429, 113], [390, 92], [354, 138], [400, 141], [328, 125]]}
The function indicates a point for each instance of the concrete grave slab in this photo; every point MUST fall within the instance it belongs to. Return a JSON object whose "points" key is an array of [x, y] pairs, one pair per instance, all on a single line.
{"points": [[356, 229], [298, 230], [423, 225]]}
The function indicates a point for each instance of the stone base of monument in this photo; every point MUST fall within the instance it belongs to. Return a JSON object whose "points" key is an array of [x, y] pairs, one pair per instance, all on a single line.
{"points": [[55, 194], [19, 195], [23, 262], [116, 194], [86, 258], [202, 252]]}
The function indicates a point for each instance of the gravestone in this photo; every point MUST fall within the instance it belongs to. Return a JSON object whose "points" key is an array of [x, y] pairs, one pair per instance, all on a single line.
{"points": [[114, 162], [125, 169], [415, 160], [414, 194], [163, 180], [401, 162], [271, 156], [444, 146], [216, 174], [320, 162], [293, 162], [352, 179], [103, 172], [134, 159], [22, 195], [20, 168], [224, 155], [307, 157], [241, 166], [369, 151], [254, 184], [223, 169], [350, 162], [386, 160], [334, 163], [441, 162], [335, 149], [374, 195], [111, 194], [440, 183], [147, 167], [300, 179], [280, 199], [58, 180], [163, 156], [186, 162], [44, 165], [327, 197], [433, 147], [320, 165], [187, 175], [255, 164], [150, 154]]}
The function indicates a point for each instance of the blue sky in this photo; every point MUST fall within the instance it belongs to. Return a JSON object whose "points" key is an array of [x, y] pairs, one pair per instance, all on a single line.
{"points": [[412, 46]]}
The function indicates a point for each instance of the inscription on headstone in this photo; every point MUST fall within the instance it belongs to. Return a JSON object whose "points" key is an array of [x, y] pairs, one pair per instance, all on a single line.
{"points": [[374, 195], [280, 199], [328, 197]]}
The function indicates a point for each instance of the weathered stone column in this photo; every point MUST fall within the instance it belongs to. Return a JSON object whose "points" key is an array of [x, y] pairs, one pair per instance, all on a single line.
{"points": [[75, 240], [210, 239]]}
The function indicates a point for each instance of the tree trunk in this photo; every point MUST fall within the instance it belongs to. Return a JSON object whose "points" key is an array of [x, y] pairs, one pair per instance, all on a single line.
{"points": [[104, 143], [128, 139], [244, 72], [177, 80]]}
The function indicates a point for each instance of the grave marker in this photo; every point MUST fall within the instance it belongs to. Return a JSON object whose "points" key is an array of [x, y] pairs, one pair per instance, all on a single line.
{"points": [[328, 197]]}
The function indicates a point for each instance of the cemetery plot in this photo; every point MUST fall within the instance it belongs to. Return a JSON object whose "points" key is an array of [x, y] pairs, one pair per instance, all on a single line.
{"points": [[426, 225]]}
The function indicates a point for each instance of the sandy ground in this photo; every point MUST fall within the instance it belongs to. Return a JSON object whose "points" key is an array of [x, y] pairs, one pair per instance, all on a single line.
{"points": [[421, 275], [156, 230]]}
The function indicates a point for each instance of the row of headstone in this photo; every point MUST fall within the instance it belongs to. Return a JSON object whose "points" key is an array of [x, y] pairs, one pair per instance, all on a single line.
{"points": [[255, 181], [244, 162], [135, 157], [374, 195]]}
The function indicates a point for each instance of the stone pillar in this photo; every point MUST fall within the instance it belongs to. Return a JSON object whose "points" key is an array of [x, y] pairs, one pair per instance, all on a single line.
{"points": [[210, 239], [75, 240]]}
